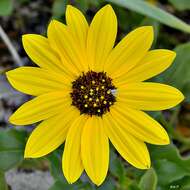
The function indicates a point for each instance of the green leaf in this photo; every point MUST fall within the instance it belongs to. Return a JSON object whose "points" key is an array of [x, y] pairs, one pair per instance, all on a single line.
{"points": [[154, 12], [83, 4], [12, 144], [6, 7], [133, 186], [56, 166], [178, 74], [109, 184], [171, 153], [182, 184], [148, 180], [58, 185], [117, 167], [3, 184], [59, 7], [169, 171], [169, 164], [180, 5], [122, 14]]}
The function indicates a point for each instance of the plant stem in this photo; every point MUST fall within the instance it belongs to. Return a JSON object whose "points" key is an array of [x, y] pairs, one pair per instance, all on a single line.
{"points": [[10, 47]]}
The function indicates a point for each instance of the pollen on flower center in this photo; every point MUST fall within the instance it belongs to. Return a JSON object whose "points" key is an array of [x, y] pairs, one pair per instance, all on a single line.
{"points": [[92, 93]]}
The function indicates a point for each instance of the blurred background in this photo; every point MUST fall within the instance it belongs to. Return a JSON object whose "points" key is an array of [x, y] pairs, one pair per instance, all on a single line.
{"points": [[170, 164]]}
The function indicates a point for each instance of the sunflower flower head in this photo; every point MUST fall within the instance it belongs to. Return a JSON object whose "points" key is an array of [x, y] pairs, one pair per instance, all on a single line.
{"points": [[88, 91]]}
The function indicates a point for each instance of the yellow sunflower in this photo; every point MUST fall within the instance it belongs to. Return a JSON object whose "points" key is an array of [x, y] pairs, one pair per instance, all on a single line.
{"points": [[88, 91]]}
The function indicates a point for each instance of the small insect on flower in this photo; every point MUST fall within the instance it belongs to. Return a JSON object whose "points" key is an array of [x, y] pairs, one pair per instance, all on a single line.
{"points": [[88, 92]]}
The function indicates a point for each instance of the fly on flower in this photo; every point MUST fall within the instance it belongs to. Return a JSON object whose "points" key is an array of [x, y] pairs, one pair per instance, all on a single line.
{"points": [[88, 91]]}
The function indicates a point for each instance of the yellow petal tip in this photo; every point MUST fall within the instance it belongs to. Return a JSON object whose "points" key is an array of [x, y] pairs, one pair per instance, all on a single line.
{"points": [[148, 166], [164, 140], [8, 74], [173, 54], [144, 166], [149, 29], [26, 37], [107, 7], [27, 154], [52, 22], [179, 97], [144, 163], [70, 179], [98, 183], [12, 120], [98, 180], [69, 7]]}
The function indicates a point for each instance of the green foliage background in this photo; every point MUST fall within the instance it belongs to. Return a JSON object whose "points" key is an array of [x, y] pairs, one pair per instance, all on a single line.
{"points": [[170, 164]]}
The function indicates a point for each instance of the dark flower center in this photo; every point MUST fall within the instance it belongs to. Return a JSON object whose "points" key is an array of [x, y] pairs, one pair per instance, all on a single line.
{"points": [[93, 93]]}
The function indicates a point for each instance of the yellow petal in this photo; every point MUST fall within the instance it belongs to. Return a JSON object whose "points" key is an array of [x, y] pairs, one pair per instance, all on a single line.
{"points": [[149, 96], [61, 39], [39, 50], [101, 37], [139, 124], [78, 27], [95, 150], [154, 62], [49, 134], [41, 107], [72, 163], [37, 81], [129, 51], [131, 149]]}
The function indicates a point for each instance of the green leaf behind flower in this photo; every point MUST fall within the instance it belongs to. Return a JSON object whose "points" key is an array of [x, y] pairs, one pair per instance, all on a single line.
{"points": [[180, 5], [59, 7], [3, 184], [178, 74], [12, 144], [169, 165], [6, 7], [154, 12], [148, 180]]}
